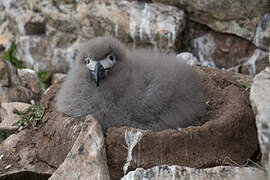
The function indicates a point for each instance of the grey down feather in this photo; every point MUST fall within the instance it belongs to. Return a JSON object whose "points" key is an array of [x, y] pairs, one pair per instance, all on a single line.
{"points": [[141, 89]]}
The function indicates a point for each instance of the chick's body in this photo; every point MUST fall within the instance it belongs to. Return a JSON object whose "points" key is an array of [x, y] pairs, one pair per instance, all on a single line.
{"points": [[145, 90]]}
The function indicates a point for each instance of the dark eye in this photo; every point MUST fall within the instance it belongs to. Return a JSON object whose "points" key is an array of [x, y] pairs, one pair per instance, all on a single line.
{"points": [[111, 57], [87, 60]]}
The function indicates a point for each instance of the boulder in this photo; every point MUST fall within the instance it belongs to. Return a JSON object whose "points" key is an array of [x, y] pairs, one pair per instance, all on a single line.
{"points": [[224, 51], [8, 118], [220, 50], [16, 94], [87, 158], [43, 149], [187, 58], [179, 172], [13, 74], [18, 85], [19, 159], [260, 100], [236, 17], [228, 136], [154, 24]]}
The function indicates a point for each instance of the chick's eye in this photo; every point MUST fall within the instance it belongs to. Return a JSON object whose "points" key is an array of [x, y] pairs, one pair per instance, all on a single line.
{"points": [[111, 57], [87, 60]]}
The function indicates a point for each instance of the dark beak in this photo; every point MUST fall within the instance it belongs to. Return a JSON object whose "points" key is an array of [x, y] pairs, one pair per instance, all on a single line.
{"points": [[99, 73]]}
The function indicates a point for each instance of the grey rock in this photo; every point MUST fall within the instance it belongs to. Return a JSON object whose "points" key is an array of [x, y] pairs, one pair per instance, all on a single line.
{"points": [[13, 74], [262, 36], [87, 158], [255, 63], [260, 100], [188, 58], [58, 77], [180, 172], [29, 79], [38, 152], [68, 24], [25, 163], [220, 50], [205, 47], [7, 117], [15, 94], [142, 24], [235, 17]]}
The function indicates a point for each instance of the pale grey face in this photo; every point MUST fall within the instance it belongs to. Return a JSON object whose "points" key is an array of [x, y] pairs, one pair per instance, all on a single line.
{"points": [[100, 67]]}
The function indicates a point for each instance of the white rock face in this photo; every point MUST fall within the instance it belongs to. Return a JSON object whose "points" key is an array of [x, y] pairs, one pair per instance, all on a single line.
{"points": [[180, 172], [254, 62], [132, 138], [260, 100], [188, 58], [205, 47], [8, 117], [262, 36], [87, 158]]}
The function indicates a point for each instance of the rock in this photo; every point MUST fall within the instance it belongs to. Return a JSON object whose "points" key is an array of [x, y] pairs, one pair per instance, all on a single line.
{"points": [[13, 74], [66, 25], [19, 160], [5, 35], [29, 79], [38, 52], [260, 100], [7, 116], [262, 36], [179, 172], [23, 84], [256, 63], [234, 17], [87, 158], [46, 146], [188, 58], [216, 49], [15, 94], [4, 73], [143, 24], [58, 77], [229, 135]]}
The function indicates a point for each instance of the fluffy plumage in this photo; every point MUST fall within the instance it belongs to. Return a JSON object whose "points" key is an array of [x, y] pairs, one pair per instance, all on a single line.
{"points": [[145, 89]]}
